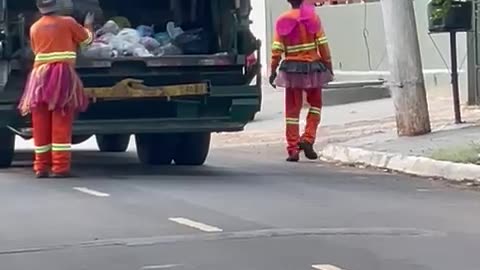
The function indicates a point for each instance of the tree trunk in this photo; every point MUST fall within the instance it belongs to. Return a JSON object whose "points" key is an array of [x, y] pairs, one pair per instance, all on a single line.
{"points": [[406, 79]]}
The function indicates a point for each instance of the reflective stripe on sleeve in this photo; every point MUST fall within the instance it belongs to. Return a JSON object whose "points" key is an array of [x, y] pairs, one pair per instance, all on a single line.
{"points": [[89, 39], [322, 40], [277, 46]]}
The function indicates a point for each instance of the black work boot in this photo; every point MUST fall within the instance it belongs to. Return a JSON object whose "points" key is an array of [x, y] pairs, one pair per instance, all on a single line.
{"points": [[41, 175], [308, 150], [293, 156]]}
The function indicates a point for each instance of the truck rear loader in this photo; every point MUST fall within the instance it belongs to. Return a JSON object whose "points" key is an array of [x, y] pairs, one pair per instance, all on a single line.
{"points": [[170, 103]]}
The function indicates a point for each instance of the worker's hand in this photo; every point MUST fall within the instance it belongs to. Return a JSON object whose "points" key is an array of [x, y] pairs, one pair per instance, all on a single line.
{"points": [[328, 65], [272, 78], [89, 19], [331, 72]]}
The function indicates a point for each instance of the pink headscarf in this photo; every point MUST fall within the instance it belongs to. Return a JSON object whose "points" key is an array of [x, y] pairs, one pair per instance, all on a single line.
{"points": [[288, 27]]}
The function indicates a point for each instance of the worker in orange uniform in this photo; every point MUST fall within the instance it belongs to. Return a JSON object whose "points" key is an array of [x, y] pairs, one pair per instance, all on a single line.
{"points": [[54, 92], [307, 66]]}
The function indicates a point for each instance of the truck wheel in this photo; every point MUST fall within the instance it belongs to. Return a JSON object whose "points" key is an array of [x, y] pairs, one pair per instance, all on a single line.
{"points": [[7, 148], [155, 149], [192, 149], [114, 143]]}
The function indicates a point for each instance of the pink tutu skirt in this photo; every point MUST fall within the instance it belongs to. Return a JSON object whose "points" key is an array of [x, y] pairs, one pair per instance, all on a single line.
{"points": [[305, 81], [294, 74], [54, 84]]}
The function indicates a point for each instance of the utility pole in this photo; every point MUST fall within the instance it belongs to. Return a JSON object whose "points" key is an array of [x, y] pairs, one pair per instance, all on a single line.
{"points": [[406, 75]]}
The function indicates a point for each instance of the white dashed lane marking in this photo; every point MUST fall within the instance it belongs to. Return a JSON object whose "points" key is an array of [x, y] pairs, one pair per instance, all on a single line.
{"points": [[165, 266], [91, 192], [195, 224], [325, 267]]}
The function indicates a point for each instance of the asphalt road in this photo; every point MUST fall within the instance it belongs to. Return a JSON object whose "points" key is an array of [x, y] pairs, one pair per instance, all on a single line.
{"points": [[246, 209]]}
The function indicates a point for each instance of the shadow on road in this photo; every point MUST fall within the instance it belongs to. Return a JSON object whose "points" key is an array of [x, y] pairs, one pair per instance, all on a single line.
{"points": [[259, 165], [89, 163]]}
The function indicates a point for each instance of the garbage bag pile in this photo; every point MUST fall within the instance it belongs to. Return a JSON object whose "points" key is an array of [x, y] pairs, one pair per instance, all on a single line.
{"points": [[113, 40]]}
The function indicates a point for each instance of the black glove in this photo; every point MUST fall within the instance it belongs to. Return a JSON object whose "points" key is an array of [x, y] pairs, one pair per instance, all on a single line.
{"points": [[272, 78]]}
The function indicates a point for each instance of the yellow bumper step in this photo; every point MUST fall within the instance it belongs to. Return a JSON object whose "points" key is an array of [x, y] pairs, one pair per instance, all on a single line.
{"points": [[131, 88]]}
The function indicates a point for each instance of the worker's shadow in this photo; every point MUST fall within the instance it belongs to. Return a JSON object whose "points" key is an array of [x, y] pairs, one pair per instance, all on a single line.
{"points": [[93, 164]]}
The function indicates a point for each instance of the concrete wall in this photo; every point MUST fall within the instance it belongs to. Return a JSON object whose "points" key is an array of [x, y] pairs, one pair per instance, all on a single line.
{"points": [[346, 26]]}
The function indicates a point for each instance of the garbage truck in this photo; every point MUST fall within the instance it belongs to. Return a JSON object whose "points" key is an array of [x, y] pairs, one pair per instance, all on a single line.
{"points": [[171, 102]]}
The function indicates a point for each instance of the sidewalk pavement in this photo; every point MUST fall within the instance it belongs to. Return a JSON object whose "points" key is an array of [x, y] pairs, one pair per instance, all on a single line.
{"points": [[365, 133], [379, 146]]}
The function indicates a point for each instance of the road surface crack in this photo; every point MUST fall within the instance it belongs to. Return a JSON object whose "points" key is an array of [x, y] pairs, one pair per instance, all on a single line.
{"points": [[241, 235]]}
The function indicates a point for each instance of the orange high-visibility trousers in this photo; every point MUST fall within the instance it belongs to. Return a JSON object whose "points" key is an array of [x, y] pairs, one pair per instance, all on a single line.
{"points": [[52, 136], [293, 107]]}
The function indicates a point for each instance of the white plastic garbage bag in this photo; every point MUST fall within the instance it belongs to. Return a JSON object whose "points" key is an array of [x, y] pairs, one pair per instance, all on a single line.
{"points": [[150, 43], [106, 38], [170, 49], [98, 50], [145, 30], [126, 41], [129, 35], [173, 31], [114, 42], [163, 38], [141, 51], [110, 27]]}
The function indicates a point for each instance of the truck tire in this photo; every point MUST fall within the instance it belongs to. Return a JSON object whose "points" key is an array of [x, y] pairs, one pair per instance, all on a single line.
{"points": [[155, 149], [192, 149], [113, 143], [7, 148]]}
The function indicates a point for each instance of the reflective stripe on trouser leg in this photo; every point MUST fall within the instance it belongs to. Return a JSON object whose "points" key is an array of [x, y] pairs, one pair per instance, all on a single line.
{"points": [[61, 141], [42, 138], [314, 99], [61, 147], [293, 106], [292, 133], [42, 149]]}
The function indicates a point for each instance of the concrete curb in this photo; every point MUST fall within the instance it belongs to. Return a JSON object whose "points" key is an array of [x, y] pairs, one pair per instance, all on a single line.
{"points": [[341, 96], [419, 166]]}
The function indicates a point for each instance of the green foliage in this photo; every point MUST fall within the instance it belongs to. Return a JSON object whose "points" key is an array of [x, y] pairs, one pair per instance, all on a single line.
{"points": [[440, 9], [469, 153]]}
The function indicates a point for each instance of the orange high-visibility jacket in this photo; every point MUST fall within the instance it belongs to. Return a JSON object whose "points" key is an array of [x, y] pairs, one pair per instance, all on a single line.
{"points": [[56, 39]]}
